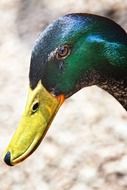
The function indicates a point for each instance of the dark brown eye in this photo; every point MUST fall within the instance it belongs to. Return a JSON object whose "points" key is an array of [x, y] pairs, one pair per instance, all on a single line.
{"points": [[62, 52], [35, 107]]}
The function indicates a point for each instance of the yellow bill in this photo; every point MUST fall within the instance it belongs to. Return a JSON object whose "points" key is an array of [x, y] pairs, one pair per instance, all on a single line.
{"points": [[40, 110]]}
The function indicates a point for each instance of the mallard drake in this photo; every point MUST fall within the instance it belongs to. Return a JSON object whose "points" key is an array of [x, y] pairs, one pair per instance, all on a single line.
{"points": [[75, 51]]}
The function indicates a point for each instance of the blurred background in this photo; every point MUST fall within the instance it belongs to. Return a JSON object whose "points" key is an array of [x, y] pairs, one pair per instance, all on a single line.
{"points": [[86, 146]]}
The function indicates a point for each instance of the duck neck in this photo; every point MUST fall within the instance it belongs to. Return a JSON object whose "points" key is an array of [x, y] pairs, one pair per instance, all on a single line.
{"points": [[117, 87]]}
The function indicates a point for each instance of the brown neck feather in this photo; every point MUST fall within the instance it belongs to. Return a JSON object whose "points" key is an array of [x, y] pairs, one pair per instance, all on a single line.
{"points": [[116, 87]]}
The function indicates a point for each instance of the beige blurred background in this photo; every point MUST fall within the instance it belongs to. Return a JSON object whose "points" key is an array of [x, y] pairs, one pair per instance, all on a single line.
{"points": [[86, 146]]}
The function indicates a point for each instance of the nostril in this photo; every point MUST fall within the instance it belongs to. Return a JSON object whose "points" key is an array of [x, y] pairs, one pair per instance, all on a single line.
{"points": [[7, 159]]}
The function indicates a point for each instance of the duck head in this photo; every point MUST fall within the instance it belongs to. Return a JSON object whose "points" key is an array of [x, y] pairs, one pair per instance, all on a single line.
{"points": [[63, 58]]}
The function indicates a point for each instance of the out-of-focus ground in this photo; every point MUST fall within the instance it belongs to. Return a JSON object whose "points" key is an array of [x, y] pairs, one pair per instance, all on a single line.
{"points": [[86, 146]]}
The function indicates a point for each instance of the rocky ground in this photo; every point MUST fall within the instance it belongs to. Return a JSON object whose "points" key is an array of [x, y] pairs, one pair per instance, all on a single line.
{"points": [[86, 146]]}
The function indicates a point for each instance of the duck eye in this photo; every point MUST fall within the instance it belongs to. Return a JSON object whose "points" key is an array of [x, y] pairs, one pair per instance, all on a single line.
{"points": [[62, 52], [35, 107]]}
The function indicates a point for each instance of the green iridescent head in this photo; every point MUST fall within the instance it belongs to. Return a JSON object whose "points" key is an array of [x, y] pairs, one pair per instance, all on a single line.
{"points": [[69, 48]]}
